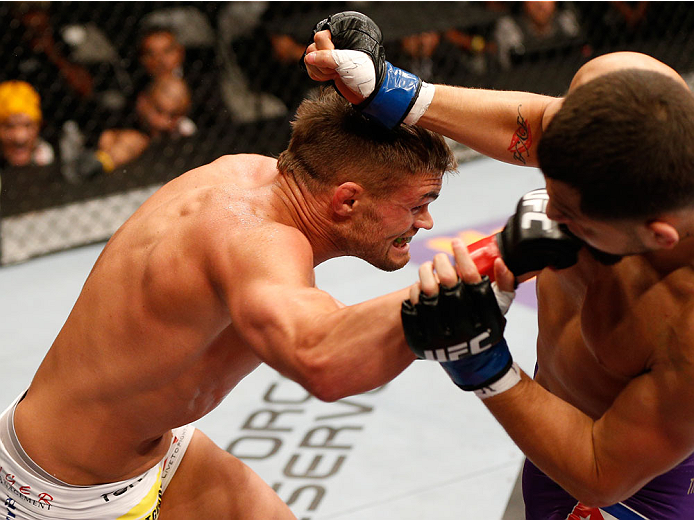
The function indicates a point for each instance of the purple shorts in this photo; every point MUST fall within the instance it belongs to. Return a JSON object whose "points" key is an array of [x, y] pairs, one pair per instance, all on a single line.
{"points": [[667, 497]]}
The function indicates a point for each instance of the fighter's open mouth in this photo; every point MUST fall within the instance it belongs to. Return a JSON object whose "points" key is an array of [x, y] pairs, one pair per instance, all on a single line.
{"points": [[402, 241]]}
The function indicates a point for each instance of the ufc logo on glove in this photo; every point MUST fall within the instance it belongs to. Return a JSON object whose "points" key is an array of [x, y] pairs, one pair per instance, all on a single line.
{"points": [[534, 209], [476, 345]]}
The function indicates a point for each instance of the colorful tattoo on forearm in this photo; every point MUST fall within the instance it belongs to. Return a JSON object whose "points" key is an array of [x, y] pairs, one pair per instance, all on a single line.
{"points": [[522, 139]]}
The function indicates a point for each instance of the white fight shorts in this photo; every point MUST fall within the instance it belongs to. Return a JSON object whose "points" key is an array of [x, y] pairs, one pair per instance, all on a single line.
{"points": [[29, 492]]}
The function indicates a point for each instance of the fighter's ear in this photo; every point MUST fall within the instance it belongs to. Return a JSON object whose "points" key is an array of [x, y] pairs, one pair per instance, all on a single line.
{"points": [[346, 198], [661, 234]]}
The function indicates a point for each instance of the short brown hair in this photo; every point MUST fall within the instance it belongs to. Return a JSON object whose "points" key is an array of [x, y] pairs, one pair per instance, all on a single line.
{"points": [[624, 141], [332, 143]]}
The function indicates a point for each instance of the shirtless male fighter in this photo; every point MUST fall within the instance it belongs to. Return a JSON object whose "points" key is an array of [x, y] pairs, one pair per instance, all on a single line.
{"points": [[210, 277], [607, 424]]}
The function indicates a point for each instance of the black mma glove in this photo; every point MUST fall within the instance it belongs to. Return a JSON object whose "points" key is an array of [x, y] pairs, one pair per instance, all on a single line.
{"points": [[462, 328], [530, 240], [391, 93], [358, 32]]}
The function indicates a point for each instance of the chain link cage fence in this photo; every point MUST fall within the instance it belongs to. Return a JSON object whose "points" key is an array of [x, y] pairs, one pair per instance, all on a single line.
{"points": [[94, 65]]}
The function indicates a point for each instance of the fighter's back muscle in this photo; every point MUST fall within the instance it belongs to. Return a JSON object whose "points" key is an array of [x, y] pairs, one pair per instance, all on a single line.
{"points": [[151, 288], [149, 344]]}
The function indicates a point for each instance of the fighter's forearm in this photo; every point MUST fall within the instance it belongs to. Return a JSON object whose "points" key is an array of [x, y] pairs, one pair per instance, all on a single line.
{"points": [[503, 125], [560, 440]]}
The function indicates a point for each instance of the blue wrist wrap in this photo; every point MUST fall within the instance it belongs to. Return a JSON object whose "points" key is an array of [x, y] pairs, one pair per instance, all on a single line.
{"points": [[395, 98], [480, 370]]}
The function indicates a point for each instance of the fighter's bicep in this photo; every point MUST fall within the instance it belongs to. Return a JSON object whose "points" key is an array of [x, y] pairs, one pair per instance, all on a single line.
{"points": [[647, 430], [270, 294], [277, 321]]}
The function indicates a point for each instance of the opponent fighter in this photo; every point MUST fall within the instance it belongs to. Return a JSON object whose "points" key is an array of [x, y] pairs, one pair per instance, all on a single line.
{"points": [[210, 277], [607, 422]]}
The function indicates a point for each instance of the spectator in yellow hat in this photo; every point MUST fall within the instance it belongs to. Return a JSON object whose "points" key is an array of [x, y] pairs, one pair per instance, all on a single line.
{"points": [[20, 123]]}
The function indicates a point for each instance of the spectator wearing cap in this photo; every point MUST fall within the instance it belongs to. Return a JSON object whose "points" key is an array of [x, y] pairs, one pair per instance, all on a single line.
{"points": [[20, 125]]}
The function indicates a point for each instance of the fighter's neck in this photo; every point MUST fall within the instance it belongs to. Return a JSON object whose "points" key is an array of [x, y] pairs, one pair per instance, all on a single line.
{"points": [[681, 255], [297, 207]]}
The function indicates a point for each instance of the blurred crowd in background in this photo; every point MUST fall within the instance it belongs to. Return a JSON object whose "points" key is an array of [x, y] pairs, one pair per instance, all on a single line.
{"points": [[103, 97]]}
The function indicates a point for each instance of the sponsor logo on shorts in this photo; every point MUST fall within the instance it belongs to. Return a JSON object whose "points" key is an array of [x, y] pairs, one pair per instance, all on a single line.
{"points": [[23, 492], [118, 492], [154, 515], [173, 458], [149, 505]]}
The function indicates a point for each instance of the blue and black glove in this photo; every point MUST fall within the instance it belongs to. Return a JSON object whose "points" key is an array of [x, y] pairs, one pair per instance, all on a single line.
{"points": [[395, 91], [462, 328]]}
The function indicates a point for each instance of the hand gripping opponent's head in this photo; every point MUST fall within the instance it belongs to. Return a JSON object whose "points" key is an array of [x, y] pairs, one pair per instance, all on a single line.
{"points": [[351, 33], [390, 94], [358, 32]]}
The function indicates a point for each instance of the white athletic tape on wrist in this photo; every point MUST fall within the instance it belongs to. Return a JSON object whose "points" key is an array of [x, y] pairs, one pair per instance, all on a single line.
{"points": [[356, 71], [421, 104], [507, 381], [503, 298]]}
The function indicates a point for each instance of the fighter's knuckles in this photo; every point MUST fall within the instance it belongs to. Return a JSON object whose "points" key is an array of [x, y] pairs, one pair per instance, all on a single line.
{"points": [[414, 293], [447, 274], [317, 74], [323, 40], [428, 281], [470, 276], [323, 59], [503, 276]]}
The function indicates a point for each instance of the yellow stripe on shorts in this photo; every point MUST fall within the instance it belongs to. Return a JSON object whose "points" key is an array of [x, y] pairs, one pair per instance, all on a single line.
{"points": [[148, 508]]}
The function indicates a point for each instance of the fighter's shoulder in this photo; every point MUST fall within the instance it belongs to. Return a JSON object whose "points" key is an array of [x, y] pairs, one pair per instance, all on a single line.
{"points": [[260, 248], [665, 313], [269, 255], [680, 297], [239, 158], [246, 170]]}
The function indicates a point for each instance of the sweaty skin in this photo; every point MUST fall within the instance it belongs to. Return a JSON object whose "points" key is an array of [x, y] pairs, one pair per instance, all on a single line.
{"points": [[615, 343], [608, 410], [605, 412], [210, 277]]}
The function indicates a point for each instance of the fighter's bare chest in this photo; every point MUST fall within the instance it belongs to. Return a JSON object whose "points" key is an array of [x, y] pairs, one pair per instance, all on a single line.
{"points": [[615, 330], [594, 338]]}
